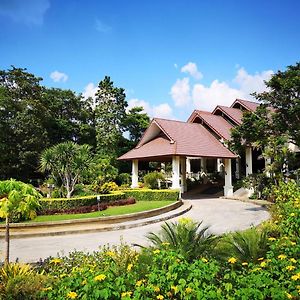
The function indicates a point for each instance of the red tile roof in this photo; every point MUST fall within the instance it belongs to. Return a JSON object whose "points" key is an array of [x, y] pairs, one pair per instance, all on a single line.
{"points": [[249, 105], [184, 139], [217, 123], [234, 114]]}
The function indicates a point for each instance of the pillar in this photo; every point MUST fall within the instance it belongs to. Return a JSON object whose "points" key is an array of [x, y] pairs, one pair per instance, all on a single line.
{"points": [[219, 165], [248, 161], [188, 165], [238, 168], [135, 174], [228, 188], [175, 172], [203, 165], [183, 175]]}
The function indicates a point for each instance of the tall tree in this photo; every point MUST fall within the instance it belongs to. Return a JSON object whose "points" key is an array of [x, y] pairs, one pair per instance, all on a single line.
{"points": [[136, 122], [66, 162], [110, 112], [22, 133], [16, 197]]}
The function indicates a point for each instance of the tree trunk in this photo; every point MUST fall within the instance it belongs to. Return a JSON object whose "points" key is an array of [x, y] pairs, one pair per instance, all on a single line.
{"points": [[6, 240]]}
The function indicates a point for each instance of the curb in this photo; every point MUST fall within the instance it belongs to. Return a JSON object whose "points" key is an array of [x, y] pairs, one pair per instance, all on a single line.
{"points": [[262, 203], [113, 226]]}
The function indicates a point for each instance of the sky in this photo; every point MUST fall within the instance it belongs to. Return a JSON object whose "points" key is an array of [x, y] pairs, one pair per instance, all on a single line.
{"points": [[171, 57]]}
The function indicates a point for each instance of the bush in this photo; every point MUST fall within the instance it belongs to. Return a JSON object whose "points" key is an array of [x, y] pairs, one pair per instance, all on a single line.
{"points": [[108, 187], [65, 203], [152, 195], [123, 179], [151, 179]]}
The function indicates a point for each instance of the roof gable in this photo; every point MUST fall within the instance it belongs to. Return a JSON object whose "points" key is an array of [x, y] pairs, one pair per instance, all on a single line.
{"points": [[248, 105]]}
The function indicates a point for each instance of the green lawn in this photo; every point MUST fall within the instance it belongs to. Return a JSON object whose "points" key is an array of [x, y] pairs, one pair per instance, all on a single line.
{"points": [[111, 211]]}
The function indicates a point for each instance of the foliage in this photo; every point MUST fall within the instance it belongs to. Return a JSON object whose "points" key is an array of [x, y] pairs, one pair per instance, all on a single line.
{"points": [[136, 122], [152, 179], [19, 282], [185, 237], [124, 179], [152, 195], [69, 203], [108, 187], [66, 162], [109, 115]]}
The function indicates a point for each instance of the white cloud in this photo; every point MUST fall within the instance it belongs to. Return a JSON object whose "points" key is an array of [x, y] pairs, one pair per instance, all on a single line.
{"points": [[163, 110], [28, 12], [102, 27], [180, 92], [192, 69], [90, 91], [57, 76]]}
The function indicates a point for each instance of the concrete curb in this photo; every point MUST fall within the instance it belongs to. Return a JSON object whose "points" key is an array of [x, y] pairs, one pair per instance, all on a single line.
{"points": [[262, 203], [133, 220]]}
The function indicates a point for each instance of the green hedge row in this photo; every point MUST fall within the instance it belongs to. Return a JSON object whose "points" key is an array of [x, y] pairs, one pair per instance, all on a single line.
{"points": [[64, 203], [152, 195]]}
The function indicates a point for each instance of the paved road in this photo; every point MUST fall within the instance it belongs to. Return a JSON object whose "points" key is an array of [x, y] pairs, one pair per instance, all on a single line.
{"points": [[220, 214]]}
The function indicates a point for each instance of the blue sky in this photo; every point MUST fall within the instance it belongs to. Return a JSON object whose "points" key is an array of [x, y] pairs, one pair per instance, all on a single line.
{"points": [[170, 56]]}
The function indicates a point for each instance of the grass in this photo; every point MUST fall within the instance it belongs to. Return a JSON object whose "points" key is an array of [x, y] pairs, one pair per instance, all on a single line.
{"points": [[110, 211]]}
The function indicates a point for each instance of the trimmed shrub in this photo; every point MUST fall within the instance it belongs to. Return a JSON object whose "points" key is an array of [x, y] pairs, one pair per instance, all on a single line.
{"points": [[108, 187], [65, 203], [151, 179], [152, 195]]}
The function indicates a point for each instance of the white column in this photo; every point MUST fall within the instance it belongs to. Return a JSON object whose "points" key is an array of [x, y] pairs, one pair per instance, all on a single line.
{"points": [[219, 165], [175, 172], [135, 174], [248, 161], [183, 175], [228, 188], [237, 168], [188, 165], [163, 167]]}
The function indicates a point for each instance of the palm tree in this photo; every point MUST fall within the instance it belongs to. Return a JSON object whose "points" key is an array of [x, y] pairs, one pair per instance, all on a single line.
{"points": [[16, 197], [66, 162], [186, 237]]}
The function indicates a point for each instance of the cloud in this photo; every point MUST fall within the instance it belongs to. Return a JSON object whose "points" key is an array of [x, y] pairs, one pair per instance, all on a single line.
{"points": [[90, 91], [207, 97], [102, 27], [28, 12], [162, 110], [192, 69], [57, 76], [180, 92]]}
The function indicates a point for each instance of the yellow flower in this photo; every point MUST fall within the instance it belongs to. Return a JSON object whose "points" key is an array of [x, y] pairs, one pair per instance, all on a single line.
{"points": [[290, 268], [293, 243], [110, 253], [204, 259], [296, 276], [263, 264], [55, 261], [47, 289], [174, 288], [289, 295], [156, 289], [281, 256], [244, 264], [293, 260], [83, 282], [129, 267], [126, 294], [292, 214], [232, 260], [166, 244], [188, 290], [256, 269], [185, 221], [140, 282], [271, 239], [156, 251], [160, 297], [72, 295], [261, 258], [100, 277]]}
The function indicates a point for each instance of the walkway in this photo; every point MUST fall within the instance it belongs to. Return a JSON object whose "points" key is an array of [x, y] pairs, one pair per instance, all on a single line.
{"points": [[220, 214]]}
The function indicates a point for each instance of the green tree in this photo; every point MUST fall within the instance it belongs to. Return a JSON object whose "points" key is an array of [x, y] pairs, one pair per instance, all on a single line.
{"points": [[110, 112], [66, 162], [16, 197], [22, 132], [136, 122]]}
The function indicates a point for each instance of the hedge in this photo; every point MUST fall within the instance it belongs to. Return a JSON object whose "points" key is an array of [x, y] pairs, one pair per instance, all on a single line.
{"points": [[152, 195], [65, 203]]}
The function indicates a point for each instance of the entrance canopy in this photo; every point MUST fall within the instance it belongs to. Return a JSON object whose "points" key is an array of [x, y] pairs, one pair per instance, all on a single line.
{"points": [[168, 138]]}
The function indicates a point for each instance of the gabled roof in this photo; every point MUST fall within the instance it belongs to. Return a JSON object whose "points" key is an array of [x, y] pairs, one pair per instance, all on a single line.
{"points": [[248, 105], [234, 114], [216, 123], [177, 138]]}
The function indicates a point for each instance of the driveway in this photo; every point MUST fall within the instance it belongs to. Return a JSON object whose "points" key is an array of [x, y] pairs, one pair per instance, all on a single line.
{"points": [[221, 215]]}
